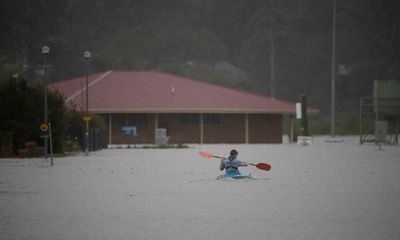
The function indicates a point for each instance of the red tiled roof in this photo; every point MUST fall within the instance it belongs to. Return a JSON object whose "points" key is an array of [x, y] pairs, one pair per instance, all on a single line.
{"points": [[148, 91]]}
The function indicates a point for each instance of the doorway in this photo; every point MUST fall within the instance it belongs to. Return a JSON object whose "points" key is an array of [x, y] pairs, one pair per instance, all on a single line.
{"points": [[163, 124]]}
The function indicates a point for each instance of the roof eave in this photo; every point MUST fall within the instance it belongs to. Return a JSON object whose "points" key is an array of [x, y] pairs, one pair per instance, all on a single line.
{"points": [[205, 110]]}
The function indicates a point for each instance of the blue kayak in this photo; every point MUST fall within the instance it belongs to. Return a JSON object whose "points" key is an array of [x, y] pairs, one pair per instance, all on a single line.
{"points": [[234, 176]]}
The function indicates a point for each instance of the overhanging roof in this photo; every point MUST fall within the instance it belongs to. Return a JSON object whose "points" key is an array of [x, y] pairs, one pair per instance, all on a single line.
{"points": [[156, 92]]}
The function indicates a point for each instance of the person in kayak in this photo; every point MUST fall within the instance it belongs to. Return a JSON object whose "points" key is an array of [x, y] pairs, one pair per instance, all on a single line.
{"points": [[232, 164]]}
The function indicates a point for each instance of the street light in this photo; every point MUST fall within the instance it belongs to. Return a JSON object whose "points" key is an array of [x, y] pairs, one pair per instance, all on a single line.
{"points": [[87, 56], [272, 49], [333, 123], [45, 52]]}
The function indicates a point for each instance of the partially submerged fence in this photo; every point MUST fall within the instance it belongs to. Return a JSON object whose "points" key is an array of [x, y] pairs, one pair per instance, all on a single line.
{"points": [[379, 120], [98, 138]]}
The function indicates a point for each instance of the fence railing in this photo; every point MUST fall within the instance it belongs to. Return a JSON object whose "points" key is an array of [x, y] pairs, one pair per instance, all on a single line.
{"points": [[98, 138]]}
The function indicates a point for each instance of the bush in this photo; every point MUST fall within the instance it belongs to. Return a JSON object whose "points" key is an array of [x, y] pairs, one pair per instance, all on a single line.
{"points": [[21, 111], [346, 124]]}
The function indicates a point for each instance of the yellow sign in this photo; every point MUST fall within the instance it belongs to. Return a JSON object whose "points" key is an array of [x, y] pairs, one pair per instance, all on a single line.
{"points": [[87, 118], [44, 130], [44, 127]]}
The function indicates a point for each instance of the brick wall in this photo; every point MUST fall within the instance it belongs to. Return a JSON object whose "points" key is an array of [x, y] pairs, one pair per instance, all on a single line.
{"points": [[179, 133], [263, 128], [231, 130], [145, 133]]}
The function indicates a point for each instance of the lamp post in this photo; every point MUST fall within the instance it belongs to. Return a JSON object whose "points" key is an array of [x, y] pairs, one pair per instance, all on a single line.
{"points": [[45, 52], [333, 123], [87, 56], [272, 54]]}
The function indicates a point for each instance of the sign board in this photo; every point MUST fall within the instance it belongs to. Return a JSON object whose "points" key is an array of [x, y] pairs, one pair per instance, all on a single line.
{"points": [[161, 136], [304, 140], [387, 96], [87, 118], [127, 130], [44, 130], [298, 111], [381, 131]]}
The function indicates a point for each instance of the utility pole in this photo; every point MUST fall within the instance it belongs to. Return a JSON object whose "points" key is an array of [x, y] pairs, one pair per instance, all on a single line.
{"points": [[45, 52], [333, 123], [272, 51], [87, 56]]}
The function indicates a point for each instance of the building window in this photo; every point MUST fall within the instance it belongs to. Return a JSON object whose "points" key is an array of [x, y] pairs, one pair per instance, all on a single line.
{"points": [[119, 119], [137, 119], [106, 119], [189, 119], [212, 119]]}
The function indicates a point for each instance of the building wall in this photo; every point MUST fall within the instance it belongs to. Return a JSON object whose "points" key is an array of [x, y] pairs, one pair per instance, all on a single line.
{"points": [[265, 128], [177, 132], [145, 133], [231, 130], [262, 128]]}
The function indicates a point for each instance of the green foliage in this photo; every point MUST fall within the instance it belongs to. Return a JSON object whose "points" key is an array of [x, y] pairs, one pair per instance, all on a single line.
{"points": [[71, 145], [21, 111], [346, 124]]}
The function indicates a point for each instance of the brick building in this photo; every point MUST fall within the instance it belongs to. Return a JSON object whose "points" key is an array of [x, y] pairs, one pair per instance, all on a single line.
{"points": [[190, 111]]}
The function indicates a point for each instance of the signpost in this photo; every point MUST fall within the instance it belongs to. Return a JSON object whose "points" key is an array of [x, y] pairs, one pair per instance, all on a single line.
{"points": [[87, 119], [380, 132], [301, 113], [45, 132], [298, 111]]}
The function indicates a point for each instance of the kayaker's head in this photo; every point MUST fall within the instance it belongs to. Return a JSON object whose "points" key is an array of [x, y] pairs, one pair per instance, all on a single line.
{"points": [[234, 153]]}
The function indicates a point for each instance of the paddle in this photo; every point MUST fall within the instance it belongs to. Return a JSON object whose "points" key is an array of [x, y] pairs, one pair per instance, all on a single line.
{"points": [[262, 166]]}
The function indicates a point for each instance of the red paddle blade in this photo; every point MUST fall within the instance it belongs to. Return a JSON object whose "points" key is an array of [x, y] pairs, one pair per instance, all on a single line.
{"points": [[206, 154], [263, 166]]}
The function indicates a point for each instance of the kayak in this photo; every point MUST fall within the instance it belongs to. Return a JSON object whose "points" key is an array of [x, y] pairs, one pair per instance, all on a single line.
{"points": [[234, 176]]}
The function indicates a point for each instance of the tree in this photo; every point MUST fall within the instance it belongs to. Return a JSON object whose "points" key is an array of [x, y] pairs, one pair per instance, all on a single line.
{"points": [[159, 34], [21, 111]]}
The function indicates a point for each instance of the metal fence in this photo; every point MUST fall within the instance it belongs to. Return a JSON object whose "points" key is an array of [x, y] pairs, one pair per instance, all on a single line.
{"points": [[98, 139], [374, 110]]}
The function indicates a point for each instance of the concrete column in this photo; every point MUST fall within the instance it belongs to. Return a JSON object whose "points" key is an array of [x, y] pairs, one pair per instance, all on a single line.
{"points": [[246, 127], [201, 129], [155, 126], [291, 117], [110, 128]]}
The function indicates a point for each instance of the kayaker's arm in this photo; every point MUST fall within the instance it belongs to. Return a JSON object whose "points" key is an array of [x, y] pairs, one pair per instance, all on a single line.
{"points": [[222, 165]]}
